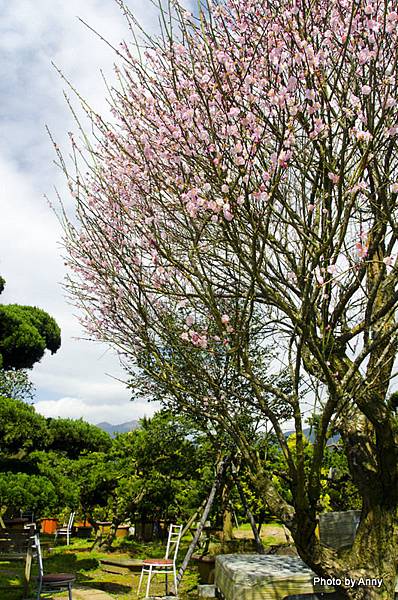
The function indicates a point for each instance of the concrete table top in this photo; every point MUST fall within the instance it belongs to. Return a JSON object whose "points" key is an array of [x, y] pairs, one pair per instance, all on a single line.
{"points": [[262, 577]]}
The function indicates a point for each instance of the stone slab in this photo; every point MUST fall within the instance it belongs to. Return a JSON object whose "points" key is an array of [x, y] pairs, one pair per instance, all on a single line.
{"points": [[162, 598], [79, 593], [262, 577], [121, 566], [206, 591]]}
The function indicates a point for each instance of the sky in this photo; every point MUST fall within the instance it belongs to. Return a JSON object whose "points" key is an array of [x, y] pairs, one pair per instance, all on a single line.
{"points": [[82, 378]]}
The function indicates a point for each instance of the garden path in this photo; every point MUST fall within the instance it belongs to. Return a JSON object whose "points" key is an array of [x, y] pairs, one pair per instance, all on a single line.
{"points": [[80, 593]]}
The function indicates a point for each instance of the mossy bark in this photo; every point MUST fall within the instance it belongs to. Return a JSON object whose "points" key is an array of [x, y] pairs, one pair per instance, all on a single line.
{"points": [[372, 558], [374, 555]]}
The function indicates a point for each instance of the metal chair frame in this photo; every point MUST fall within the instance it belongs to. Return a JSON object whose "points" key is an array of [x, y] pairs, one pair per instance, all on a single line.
{"points": [[66, 530], [52, 582], [17, 544], [165, 566]]}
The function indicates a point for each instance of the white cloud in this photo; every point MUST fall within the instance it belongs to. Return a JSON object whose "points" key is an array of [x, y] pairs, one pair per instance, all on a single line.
{"points": [[76, 407], [74, 380], [29, 254]]}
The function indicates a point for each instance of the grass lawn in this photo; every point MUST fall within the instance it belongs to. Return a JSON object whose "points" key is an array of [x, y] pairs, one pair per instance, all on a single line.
{"points": [[77, 558]]}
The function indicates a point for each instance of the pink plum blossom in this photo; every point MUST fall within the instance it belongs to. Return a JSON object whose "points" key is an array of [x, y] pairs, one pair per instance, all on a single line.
{"points": [[319, 277], [190, 320], [362, 249], [334, 178]]}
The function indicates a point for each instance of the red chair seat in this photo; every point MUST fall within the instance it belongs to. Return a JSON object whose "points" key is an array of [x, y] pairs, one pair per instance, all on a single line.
{"points": [[157, 561], [58, 577]]}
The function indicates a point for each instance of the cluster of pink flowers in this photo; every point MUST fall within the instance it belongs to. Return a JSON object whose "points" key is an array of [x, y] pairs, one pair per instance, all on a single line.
{"points": [[195, 338], [226, 122], [202, 339]]}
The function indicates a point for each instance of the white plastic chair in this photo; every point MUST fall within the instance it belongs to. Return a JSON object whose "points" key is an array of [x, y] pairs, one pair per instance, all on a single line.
{"points": [[163, 566], [52, 582], [66, 530]]}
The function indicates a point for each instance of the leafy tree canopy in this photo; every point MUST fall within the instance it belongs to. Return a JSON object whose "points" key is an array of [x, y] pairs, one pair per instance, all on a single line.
{"points": [[15, 383], [173, 462], [97, 478], [27, 493], [25, 333], [21, 428], [61, 472], [75, 437]]}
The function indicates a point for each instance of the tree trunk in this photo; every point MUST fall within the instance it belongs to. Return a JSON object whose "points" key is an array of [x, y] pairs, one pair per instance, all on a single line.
{"points": [[108, 541], [227, 525], [368, 570], [98, 535], [256, 533], [374, 556], [216, 486]]}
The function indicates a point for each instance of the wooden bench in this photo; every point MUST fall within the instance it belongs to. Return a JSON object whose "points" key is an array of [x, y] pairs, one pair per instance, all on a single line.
{"points": [[16, 545]]}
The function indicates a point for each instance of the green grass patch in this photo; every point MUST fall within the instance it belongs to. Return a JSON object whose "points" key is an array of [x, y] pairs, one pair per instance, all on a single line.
{"points": [[77, 558], [85, 564]]}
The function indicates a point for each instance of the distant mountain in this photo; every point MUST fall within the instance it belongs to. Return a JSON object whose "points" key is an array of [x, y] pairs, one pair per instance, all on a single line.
{"points": [[121, 428], [130, 425], [309, 434]]}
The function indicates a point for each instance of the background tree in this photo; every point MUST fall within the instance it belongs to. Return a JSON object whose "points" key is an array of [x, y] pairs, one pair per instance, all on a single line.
{"points": [[25, 333], [157, 472], [27, 493], [248, 193], [67, 458], [21, 428], [161, 472], [62, 473], [174, 464], [73, 437], [15, 383]]}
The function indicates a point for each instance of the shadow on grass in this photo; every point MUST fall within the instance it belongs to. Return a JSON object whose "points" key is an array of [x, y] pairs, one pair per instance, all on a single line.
{"points": [[69, 562], [75, 563], [11, 579], [107, 586]]}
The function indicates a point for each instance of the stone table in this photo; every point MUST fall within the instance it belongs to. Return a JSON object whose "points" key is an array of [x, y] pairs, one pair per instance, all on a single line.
{"points": [[262, 577]]}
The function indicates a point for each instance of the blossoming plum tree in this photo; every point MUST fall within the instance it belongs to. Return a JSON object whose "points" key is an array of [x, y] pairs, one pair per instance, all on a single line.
{"points": [[247, 191]]}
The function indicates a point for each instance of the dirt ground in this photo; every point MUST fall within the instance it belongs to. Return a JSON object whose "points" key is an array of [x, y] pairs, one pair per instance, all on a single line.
{"points": [[276, 532]]}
